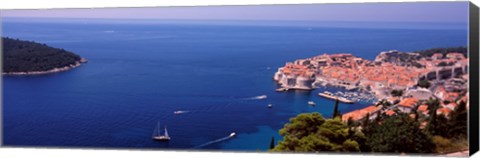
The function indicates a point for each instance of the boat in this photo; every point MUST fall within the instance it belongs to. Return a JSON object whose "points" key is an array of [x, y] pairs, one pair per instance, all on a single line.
{"points": [[179, 112], [261, 97], [311, 103], [270, 105], [158, 136], [281, 89], [329, 95], [350, 88], [232, 134]]}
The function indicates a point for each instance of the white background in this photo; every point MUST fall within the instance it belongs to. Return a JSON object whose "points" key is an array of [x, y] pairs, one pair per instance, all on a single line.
{"points": [[90, 153]]}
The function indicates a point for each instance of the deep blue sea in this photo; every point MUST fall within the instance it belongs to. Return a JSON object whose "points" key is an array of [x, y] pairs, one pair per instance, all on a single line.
{"points": [[139, 73]]}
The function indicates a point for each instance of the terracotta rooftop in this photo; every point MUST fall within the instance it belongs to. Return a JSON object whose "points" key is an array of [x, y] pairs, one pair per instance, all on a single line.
{"points": [[390, 112], [408, 102], [359, 114], [445, 111], [423, 108]]}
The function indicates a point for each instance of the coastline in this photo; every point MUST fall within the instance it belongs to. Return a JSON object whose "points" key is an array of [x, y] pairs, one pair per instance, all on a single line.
{"points": [[378, 77], [54, 70]]}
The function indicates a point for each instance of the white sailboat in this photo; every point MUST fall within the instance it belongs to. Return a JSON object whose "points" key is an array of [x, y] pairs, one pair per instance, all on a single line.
{"points": [[158, 136]]}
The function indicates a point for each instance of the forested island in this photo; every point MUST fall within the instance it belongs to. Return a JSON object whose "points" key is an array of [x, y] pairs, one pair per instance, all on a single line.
{"points": [[30, 58]]}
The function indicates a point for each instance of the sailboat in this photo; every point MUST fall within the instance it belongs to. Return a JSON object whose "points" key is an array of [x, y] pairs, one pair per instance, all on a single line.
{"points": [[158, 136]]}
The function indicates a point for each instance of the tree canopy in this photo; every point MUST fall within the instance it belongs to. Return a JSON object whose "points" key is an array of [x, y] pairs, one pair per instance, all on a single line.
{"points": [[27, 56], [400, 134], [310, 132], [424, 84], [430, 52], [458, 122], [397, 92]]}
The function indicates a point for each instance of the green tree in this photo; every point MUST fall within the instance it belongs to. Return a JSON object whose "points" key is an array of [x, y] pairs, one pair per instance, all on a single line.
{"points": [[384, 103], [335, 109], [28, 56], [310, 132], [442, 127], [397, 93], [442, 64], [458, 125], [366, 121], [400, 134], [272, 143], [433, 105], [424, 83]]}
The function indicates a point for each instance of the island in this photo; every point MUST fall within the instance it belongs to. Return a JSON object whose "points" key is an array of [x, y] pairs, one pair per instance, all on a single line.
{"points": [[30, 58]]}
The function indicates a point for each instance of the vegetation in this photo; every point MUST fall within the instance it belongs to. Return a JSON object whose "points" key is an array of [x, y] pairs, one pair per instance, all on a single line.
{"points": [[442, 64], [400, 134], [444, 51], [272, 143], [397, 92], [311, 132], [450, 134], [335, 109], [458, 125], [433, 105], [444, 145], [413, 132], [27, 56], [424, 83]]}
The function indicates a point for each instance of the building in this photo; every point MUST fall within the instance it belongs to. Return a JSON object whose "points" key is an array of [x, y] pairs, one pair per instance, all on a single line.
{"points": [[423, 109], [420, 93], [437, 56], [406, 105], [360, 114], [455, 55]]}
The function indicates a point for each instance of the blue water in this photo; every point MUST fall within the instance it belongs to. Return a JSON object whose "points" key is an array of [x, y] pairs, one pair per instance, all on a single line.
{"points": [[140, 73]]}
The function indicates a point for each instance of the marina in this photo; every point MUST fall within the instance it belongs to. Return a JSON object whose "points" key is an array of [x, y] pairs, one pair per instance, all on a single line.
{"points": [[330, 95]]}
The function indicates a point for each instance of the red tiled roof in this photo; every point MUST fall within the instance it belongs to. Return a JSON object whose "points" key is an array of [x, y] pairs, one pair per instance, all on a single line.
{"points": [[445, 111], [359, 114], [390, 112], [408, 102], [423, 108]]}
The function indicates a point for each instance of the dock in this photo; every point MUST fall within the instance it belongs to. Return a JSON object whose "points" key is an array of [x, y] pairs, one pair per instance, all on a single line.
{"points": [[331, 96]]}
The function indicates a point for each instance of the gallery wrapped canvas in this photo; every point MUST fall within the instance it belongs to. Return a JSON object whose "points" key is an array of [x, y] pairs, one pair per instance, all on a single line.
{"points": [[360, 78]]}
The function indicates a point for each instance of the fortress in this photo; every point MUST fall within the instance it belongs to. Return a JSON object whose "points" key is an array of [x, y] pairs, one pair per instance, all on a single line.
{"points": [[389, 71]]}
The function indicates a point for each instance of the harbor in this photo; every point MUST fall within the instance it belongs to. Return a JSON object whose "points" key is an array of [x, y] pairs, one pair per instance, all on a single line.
{"points": [[329, 95]]}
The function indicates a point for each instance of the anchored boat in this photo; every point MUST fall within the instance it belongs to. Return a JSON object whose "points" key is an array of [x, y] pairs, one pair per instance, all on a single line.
{"points": [[329, 95], [158, 136], [270, 105], [281, 89]]}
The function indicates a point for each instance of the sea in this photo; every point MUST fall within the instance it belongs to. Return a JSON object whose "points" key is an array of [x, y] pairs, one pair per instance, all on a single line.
{"points": [[139, 72]]}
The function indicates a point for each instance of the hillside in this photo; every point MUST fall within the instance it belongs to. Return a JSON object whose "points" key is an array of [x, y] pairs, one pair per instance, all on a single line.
{"points": [[27, 57]]}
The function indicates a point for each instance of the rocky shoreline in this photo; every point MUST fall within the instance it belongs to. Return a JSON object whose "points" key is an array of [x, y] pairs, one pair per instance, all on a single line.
{"points": [[55, 70]]}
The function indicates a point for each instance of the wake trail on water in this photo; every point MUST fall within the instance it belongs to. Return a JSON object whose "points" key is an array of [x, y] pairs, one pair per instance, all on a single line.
{"points": [[214, 141], [260, 97]]}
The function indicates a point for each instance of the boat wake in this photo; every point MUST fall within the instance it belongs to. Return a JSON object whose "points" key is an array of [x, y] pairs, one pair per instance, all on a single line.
{"points": [[180, 112], [214, 141], [260, 97]]}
